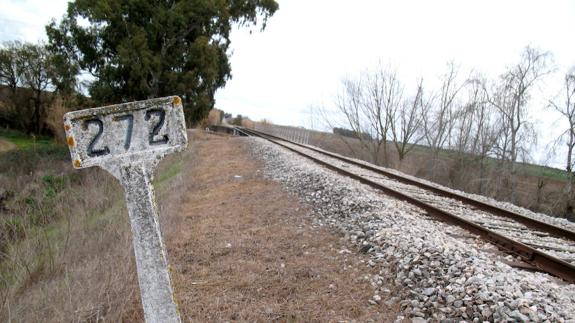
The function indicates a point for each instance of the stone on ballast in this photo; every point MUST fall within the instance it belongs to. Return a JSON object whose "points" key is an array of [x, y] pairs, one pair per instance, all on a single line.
{"points": [[518, 316], [428, 291], [486, 313]]}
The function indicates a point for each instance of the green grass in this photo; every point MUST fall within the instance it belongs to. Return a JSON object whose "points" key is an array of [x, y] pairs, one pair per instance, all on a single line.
{"points": [[167, 173], [544, 171], [534, 170], [522, 168], [52, 236], [24, 161], [23, 141]]}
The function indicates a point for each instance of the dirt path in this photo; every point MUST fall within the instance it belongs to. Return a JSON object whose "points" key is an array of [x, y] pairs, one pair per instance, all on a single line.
{"points": [[5, 145], [245, 251]]}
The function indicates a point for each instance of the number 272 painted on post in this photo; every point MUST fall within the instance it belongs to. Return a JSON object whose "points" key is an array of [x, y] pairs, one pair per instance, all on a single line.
{"points": [[129, 118], [125, 131]]}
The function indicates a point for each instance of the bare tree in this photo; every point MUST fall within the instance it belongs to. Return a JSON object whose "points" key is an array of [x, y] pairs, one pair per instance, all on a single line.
{"points": [[475, 134], [407, 122], [350, 103], [465, 121], [368, 104], [567, 111], [485, 134], [510, 98], [383, 96], [439, 116]]}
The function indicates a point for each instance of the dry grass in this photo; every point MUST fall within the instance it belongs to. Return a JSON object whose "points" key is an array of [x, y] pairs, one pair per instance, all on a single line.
{"points": [[75, 264], [245, 251], [71, 258], [67, 248]]}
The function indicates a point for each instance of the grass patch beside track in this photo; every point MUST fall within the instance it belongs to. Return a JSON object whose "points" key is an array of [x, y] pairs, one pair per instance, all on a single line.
{"points": [[23, 141], [65, 241]]}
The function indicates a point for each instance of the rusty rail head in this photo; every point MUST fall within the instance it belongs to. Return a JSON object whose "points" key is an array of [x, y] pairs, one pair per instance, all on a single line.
{"points": [[530, 255]]}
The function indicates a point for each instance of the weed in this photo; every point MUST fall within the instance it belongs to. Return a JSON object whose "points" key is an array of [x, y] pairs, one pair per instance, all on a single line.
{"points": [[22, 161], [52, 185], [14, 228], [65, 241], [170, 172]]}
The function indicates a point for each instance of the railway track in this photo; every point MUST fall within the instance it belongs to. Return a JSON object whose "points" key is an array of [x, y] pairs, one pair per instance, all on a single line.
{"points": [[544, 246]]}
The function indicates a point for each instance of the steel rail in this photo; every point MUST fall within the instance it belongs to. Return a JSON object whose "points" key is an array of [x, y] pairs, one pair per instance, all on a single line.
{"points": [[538, 259], [529, 222]]}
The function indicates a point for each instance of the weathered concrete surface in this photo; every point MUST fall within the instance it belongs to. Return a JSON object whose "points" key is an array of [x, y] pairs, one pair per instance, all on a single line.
{"points": [[128, 140], [151, 261], [125, 133]]}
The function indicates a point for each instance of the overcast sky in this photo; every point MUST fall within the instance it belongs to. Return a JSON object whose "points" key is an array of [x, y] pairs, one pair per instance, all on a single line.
{"points": [[310, 45]]}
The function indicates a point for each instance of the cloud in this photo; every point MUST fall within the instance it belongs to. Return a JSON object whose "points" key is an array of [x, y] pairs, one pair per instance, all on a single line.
{"points": [[309, 46], [25, 20]]}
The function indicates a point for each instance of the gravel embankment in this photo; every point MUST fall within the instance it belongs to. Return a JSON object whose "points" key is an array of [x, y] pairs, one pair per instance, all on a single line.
{"points": [[564, 223], [438, 275], [559, 247]]}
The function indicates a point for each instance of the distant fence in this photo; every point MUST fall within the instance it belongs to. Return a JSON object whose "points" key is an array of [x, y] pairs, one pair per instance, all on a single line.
{"points": [[296, 134]]}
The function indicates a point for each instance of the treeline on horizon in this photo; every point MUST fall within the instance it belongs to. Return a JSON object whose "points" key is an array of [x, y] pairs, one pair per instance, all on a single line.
{"points": [[133, 50]]}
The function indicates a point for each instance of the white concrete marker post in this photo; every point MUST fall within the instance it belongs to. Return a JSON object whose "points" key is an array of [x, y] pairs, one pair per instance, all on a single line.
{"points": [[128, 140]]}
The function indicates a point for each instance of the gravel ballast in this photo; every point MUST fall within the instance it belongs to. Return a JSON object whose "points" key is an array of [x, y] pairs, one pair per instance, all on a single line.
{"points": [[560, 222], [556, 246], [433, 274]]}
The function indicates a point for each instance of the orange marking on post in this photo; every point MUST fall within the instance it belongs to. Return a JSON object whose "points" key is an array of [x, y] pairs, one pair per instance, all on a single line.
{"points": [[77, 163], [66, 127], [177, 100], [70, 141]]}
